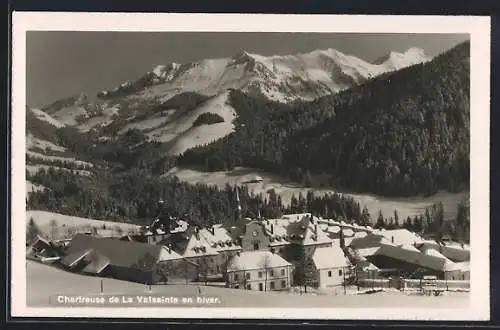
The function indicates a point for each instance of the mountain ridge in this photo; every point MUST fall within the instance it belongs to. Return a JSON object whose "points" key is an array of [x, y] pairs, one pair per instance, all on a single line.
{"points": [[283, 78]]}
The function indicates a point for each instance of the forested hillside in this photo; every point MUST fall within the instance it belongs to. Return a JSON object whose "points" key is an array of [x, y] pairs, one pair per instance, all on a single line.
{"points": [[404, 133], [132, 196]]}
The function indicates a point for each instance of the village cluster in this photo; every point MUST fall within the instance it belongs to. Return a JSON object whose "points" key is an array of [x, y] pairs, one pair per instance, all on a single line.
{"points": [[257, 254]]}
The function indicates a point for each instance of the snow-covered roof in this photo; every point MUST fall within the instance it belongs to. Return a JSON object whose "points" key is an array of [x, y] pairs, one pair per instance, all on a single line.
{"points": [[432, 261], [434, 253], [197, 246], [370, 266], [348, 232], [333, 229], [409, 247], [315, 236], [453, 250], [219, 238], [366, 252], [168, 254], [402, 236], [256, 260], [329, 257], [182, 226], [296, 216], [360, 234], [348, 240]]}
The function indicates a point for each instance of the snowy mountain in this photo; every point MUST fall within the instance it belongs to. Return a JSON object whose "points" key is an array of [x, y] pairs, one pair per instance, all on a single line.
{"points": [[279, 78], [165, 102]]}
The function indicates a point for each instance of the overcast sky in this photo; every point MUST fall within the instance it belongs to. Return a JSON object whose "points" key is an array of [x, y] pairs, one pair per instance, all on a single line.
{"points": [[62, 64]]}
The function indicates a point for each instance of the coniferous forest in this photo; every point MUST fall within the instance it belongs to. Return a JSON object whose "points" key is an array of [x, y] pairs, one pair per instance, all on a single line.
{"points": [[400, 134]]}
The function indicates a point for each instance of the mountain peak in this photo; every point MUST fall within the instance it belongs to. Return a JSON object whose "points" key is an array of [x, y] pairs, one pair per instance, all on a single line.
{"points": [[412, 55]]}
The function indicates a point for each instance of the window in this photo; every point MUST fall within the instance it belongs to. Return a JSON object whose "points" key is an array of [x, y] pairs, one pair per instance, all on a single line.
{"points": [[282, 272], [218, 268], [283, 284], [255, 246], [249, 287], [236, 277], [272, 286], [248, 276], [261, 287], [463, 277], [260, 274], [340, 272], [271, 272], [329, 273]]}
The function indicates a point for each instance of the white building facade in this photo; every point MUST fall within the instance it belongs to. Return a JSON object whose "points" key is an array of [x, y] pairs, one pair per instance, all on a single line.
{"points": [[260, 271]]}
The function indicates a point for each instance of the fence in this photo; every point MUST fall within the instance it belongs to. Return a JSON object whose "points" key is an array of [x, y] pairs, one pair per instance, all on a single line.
{"points": [[416, 284], [374, 283], [411, 284]]}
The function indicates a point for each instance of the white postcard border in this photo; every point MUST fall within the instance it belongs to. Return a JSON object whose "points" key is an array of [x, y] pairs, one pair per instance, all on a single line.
{"points": [[477, 27]]}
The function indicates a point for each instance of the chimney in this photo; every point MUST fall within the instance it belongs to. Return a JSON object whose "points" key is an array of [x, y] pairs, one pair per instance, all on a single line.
{"points": [[272, 229]]}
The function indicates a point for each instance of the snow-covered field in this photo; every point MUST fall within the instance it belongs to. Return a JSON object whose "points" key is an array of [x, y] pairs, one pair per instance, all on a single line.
{"points": [[34, 142], [56, 158], [33, 169], [46, 117], [183, 135], [405, 206], [67, 115], [30, 186], [43, 282], [43, 220]]}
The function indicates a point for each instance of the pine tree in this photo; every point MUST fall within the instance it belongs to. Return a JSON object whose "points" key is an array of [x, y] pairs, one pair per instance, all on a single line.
{"points": [[365, 217], [380, 220], [32, 231]]}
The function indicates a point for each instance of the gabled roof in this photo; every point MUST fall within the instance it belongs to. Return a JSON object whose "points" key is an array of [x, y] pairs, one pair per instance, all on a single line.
{"points": [[252, 260], [454, 251], [315, 236], [197, 246], [120, 253], [417, 258], [219, 239], [329, 257], [97, 263]]}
